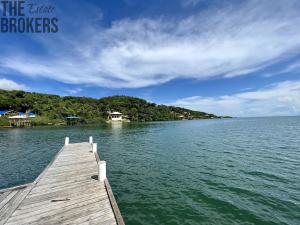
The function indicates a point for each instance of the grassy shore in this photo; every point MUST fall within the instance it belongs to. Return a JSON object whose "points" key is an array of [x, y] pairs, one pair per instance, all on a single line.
{"points": [[45, 121]]}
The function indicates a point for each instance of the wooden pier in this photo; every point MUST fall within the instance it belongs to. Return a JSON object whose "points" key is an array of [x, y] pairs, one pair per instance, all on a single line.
{"points": [[73, 189]]}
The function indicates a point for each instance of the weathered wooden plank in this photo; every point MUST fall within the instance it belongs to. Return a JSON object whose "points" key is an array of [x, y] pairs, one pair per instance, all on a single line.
{"points": [[53, 208], [114, 204], [65, 193], [107, 218], [111, 221], [68, 177], [4, 196], [32, 200], [7, 210], [15, 187], [68, 174], [75, 213], [8, 198], [61, 211], [51, 189], [37, 205], [59, 182], [87, 217], [69, 165]]}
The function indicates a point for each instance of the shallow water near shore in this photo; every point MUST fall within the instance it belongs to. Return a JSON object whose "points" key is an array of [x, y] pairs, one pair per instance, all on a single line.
{"points": [[231, 171]]}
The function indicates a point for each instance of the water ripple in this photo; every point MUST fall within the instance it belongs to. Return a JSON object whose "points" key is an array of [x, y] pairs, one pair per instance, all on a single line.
{"points": [[237, 171]]}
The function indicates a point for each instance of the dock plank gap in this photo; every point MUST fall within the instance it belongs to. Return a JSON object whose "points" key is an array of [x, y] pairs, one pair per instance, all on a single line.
{"points": [[73, 189]]}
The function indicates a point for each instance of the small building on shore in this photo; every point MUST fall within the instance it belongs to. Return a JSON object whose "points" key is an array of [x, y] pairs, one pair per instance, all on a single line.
{"points": [[73, 120], [181, 117], [21, 119], [116, 116]]}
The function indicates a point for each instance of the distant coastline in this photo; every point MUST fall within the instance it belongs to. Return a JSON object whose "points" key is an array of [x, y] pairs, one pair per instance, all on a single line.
{"points": [[53, 110]]}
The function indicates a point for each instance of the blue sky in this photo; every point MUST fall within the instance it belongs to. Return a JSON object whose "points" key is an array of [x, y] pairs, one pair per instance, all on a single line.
{"points": [[238, 58]]}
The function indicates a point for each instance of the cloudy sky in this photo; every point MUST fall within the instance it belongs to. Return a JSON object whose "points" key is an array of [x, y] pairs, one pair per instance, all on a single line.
{"points": [[238, 58]]}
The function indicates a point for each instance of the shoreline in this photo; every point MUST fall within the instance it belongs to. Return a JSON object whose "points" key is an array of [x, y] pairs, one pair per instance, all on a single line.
{"points": [[106, 123]]}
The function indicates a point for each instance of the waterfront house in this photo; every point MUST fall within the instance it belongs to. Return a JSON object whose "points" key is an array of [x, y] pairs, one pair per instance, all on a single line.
{"points": [[73, 120], [181, 117], [116, 116], [21, 119]]}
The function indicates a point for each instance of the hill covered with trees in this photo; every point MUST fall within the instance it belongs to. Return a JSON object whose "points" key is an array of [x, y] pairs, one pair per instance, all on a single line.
{"points": [[54, 109]]}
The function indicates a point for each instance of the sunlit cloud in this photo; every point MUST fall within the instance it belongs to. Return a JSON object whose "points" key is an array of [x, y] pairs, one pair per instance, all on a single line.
{"points": [[190, 3], [293, 67], [280, 99], [74, 91], [6, 84], [227, 42]]}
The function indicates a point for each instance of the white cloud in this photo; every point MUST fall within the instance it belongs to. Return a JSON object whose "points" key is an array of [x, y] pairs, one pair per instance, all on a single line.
{"points": [[74, 91], [188, 3], [222, 42], [291, 68], [278, 99], [11, 85]]}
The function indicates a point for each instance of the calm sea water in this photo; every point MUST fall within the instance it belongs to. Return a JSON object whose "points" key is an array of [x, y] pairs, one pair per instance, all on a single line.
{"points": [[235, 171]]}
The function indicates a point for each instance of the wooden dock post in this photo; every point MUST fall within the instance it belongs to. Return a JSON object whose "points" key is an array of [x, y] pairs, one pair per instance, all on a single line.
{"points": [[102, 171], [67, 140], [94, 148], [101, 164], [91, 140]]}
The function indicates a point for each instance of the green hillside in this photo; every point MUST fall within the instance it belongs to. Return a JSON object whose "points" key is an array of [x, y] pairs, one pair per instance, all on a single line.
{"points": [[54, 108]]}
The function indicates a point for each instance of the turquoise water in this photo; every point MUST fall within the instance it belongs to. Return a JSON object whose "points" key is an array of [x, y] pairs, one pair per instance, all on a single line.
{"points": [[235, 171]]}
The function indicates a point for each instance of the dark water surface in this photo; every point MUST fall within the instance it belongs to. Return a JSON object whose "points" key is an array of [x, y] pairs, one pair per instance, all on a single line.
{"points": [[235, 171]]}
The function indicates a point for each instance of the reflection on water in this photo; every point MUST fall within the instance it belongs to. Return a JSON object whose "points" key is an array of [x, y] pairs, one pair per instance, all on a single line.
{"points": [[116, 127]]}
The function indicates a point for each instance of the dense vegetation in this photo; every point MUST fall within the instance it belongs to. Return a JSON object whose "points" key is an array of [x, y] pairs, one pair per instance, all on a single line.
{"points": [[54, 108]]}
